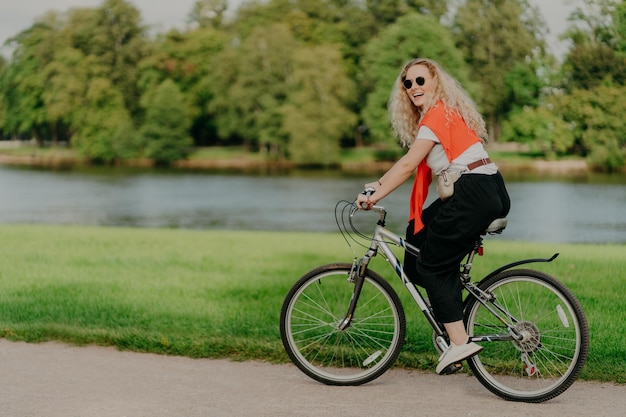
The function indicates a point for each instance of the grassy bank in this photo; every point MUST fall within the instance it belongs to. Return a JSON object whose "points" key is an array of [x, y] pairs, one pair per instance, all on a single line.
{"points": [[219, 293], [512, 160]]}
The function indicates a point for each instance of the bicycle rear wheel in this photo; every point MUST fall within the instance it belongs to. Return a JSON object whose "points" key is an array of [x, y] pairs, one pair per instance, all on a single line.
{"points": [[309, 326], [554, 348]]}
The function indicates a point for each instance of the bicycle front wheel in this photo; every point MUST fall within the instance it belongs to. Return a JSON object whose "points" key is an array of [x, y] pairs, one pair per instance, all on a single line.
{"points": [[309, 326], [555, 342]]}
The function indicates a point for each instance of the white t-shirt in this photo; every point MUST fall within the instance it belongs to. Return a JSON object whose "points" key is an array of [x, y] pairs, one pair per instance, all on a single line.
{"points": [[437, 160]]}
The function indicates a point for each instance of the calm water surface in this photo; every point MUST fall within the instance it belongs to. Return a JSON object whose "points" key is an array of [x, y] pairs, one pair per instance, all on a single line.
{"points": [[544, 211]]}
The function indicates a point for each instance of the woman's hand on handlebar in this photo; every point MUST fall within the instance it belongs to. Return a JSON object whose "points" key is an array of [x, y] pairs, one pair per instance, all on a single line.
{"points": [[363, 201]]}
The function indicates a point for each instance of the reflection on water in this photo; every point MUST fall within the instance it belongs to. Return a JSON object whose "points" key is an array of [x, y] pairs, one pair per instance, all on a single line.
{"points": [[550, 211]]}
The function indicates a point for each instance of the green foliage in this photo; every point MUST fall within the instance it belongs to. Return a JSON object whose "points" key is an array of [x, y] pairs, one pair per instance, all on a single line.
{"points": [[345, 23], [57, 66], [595, 74], [493, 52], [119, 43], [523, 86], [165, 130], [411, 36], [599, 125], [599, 37], [315, 117], [23, 82], [2, 110], [541, 128], [589, 65], [288, 97], [104, 129], [251, 87], [188, 59], [619, 27], [319, 79], [597, 22]]}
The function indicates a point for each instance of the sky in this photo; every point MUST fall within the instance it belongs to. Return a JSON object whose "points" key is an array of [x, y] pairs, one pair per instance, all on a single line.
{"points": [[162, 15]]}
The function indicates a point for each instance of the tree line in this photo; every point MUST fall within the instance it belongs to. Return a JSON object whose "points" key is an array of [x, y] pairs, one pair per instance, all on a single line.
{"points": [[301, 79]]}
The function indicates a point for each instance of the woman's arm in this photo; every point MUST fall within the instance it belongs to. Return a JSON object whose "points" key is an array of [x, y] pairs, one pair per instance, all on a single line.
{"points": [[398, 173]]}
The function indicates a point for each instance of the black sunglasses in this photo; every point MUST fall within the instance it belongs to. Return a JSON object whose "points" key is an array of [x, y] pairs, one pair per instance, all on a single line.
{"points": [[419, 81]]}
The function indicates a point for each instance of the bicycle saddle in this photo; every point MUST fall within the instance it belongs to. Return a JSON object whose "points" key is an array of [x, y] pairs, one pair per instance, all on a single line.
{"points": [[496, 226]]}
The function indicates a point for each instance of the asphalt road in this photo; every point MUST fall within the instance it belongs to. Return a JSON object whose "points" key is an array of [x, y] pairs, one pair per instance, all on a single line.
{"points": [[56, 380]]}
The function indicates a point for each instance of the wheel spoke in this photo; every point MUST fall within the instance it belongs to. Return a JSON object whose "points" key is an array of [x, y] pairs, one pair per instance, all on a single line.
{"points": [[366, 348], [554, 335]]}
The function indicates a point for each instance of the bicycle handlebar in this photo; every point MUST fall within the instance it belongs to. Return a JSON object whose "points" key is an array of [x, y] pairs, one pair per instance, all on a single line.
{"points": [[375, 208], [368, 192]]}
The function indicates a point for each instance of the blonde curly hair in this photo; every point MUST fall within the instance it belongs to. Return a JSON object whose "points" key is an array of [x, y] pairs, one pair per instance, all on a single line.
{"points": [[406, 117]]}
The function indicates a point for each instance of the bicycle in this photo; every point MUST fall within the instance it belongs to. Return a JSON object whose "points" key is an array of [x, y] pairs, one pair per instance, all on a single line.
{"points": [[344, 324]]}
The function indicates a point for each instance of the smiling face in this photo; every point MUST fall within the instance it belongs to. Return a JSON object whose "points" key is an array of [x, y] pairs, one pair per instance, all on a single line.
{"points": [[416, 75]]}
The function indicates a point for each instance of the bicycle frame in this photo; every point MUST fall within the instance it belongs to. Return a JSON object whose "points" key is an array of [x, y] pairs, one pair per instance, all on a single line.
{"points": [[379, 240], [379, 243]]}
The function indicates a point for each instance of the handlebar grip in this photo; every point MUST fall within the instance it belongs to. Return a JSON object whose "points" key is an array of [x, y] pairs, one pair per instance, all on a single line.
{"points": [[368, 191]]}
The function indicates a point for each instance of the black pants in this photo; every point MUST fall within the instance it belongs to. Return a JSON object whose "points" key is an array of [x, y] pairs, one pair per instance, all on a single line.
{"points": [[450, 230]]}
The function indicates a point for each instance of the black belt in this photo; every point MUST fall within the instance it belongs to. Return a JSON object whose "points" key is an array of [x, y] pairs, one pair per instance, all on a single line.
{"points": [[478, 163]]}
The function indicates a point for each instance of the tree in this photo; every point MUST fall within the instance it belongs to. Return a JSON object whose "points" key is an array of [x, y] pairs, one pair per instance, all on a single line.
{"points": [[342, 22], [411, 36], [315, 116], [599, 127], [541, 128], [599, 35], [67, 79], [187, 59], [619, 25], [589, 65], [287, 97], [523, 86], [388, 11], [57, 64], [104, 129], [251, 86], [23, 82], [208, 13], [496, 36], [597, 21], [165, 132], [113, 34], [2, 111], [121, 46]]}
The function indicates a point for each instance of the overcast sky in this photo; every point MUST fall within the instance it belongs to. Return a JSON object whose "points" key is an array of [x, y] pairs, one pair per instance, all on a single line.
{"points": [[17, 15]]}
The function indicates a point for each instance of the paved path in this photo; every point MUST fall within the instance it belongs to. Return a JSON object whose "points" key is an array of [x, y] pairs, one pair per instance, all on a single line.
{"points": [[56, 380]]}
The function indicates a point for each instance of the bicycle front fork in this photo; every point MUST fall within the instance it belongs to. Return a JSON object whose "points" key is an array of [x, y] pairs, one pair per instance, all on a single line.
{"points": [[356, 276]]}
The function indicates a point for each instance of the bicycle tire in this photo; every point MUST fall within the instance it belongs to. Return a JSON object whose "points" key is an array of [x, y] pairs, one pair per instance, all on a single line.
{"points": [[312, 311], [556, 337]]}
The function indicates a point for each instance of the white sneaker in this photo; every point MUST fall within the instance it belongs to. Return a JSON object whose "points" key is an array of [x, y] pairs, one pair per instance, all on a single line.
{"points": [[456, 353]]}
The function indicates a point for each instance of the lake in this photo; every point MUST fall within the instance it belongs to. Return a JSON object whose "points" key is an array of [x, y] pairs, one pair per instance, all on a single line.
{"points": [[587, 210]]}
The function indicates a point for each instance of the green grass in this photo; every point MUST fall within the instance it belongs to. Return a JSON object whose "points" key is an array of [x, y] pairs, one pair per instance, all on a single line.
{"points": [[219, 293], [225, 153], [42, 152]]}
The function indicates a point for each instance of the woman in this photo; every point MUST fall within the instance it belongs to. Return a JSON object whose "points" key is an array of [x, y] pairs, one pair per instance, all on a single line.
{"points": [[437, 120]]}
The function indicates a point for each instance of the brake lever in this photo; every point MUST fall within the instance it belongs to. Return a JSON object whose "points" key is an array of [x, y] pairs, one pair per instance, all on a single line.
{"points": [[368, 192]]}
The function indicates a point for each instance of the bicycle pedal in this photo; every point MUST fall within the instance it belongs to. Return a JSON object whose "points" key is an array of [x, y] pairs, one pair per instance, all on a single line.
{"points": [[455, 367]]}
